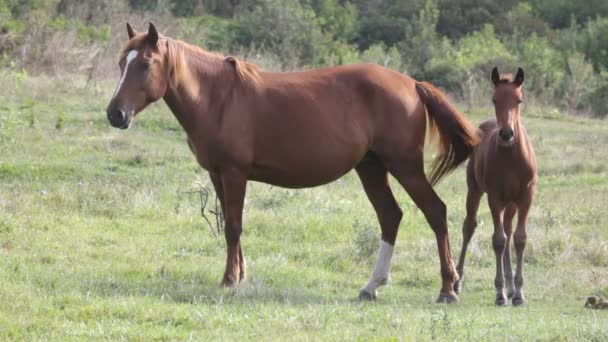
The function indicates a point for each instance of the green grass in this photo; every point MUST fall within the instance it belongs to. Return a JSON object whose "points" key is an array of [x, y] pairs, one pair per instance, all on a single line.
{"points": [[101, 237]]}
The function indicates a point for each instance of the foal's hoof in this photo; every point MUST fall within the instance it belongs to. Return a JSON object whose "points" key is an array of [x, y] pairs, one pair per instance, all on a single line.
{"points": [[517, 301], [501, 300], [365, 296], [448, 298]]}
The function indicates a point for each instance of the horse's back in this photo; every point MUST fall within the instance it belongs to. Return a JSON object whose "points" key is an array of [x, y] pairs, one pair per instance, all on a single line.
{"points": [[331, 117]]}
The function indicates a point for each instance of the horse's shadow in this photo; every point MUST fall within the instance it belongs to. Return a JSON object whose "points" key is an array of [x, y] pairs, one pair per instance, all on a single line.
{"points": [[199, 289]]}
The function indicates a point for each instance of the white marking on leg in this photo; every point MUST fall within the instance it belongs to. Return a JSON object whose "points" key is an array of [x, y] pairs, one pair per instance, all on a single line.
{"points": [[382, 269], [130, 57]]}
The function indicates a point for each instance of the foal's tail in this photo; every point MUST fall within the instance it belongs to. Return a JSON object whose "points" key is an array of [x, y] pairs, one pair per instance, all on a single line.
{"points": [[457, 136]]}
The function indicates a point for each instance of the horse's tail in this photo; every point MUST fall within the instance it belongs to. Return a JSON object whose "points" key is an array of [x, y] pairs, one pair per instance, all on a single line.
{"points": [[457, 136]]}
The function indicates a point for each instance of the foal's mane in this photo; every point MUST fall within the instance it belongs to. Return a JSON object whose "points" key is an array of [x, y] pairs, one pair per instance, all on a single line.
{"points": [[505, 78]]}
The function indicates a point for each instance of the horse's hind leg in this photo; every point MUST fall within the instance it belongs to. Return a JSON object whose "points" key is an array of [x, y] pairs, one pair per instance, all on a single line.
{"points": [[410, 174], [507, 222], [519, 238], [470, 223], [374, 178]]}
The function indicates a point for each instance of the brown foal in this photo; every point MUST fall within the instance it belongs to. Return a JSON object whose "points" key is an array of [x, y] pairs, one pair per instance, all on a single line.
{"points": [[503, 165], [300, 129]]}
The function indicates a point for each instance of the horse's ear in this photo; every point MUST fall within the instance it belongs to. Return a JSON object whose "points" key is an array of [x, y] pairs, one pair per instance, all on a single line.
{"points": [[231, 60], [131, 31], [519, 77], [495, 76], [152, 35]]}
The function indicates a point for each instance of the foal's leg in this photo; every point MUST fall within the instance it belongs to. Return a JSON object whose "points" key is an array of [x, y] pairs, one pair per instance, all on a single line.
{"points": [[374, 177], [234, 184], [470, 222], [499, 240], [411, 176], [508, 215], [520, 244]]}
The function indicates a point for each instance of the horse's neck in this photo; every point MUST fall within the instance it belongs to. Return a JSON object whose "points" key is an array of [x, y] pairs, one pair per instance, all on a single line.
{"points": [[519, 150], [198, 111]]}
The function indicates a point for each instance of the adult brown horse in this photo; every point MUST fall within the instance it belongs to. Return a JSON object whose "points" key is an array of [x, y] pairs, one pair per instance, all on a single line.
{"points": [[299, 129], [503, 165]]}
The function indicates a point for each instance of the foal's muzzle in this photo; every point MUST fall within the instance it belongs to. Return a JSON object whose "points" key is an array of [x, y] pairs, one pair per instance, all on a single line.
{"points": [[506, 136], [119, 118]]}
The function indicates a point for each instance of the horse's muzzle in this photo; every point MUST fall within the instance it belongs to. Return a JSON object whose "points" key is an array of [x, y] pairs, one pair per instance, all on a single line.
{"points": [[119, 118], [506, 136]]}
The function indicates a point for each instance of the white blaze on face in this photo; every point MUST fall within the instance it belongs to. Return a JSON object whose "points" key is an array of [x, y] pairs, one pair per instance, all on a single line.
{"points": [[130, 57], [381, 270]]}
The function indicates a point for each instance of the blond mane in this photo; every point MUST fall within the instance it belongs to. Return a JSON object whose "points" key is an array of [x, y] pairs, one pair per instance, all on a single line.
{"points": [[176, 50], [181, 75], [246, 72]]}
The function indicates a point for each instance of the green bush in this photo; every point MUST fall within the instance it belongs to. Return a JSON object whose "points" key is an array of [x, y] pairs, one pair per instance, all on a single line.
{"points": [[599, 98], [594, 42], [580, 82], [284, 28], [388, 57], [545, 66]]}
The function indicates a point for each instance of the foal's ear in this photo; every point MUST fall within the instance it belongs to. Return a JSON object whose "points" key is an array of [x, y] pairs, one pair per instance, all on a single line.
{"points": [[495, 76], [519, 77], [131, 31], [152, 35]]}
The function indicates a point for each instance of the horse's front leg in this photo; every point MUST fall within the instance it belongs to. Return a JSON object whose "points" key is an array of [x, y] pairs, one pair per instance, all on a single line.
{"points": [[499, 241], [520, 244], [507, 223], [233, 184], [219, 191]]}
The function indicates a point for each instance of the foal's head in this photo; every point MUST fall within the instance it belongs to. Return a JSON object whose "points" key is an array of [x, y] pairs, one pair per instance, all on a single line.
{"points": [[145, 76], [507, 99]]}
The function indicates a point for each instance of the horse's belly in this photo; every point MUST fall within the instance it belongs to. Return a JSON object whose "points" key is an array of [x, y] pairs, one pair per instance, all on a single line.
{"points": [[304, 172]]}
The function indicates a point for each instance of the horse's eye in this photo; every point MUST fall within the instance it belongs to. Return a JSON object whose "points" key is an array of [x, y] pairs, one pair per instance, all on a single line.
{"points": [[146, 67], [493, 100], [520, 100]]}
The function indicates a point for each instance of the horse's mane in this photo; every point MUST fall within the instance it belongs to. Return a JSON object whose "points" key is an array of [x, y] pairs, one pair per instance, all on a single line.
{"points": [[177, 56], [247, 72]]}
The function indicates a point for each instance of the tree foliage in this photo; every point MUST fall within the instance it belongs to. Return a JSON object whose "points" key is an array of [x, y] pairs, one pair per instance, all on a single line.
{"points": [[562, 44]]}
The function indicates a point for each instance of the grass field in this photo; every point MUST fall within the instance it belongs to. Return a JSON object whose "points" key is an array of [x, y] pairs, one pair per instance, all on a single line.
{"points": [[101, 237]]}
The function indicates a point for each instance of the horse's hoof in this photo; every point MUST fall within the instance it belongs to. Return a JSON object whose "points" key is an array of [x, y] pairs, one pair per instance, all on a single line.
{"points": [[501, 302], [365, 296], [517, 301], [447, 298], [229, 281]]}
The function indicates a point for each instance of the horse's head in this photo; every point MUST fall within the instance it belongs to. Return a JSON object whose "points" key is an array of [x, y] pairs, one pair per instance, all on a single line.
{"points": [[144, 76], [507, 99]]}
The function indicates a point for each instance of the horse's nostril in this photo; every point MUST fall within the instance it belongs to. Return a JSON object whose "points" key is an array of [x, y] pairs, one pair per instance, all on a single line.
{"points": [[118, 118], [116, 115], [505, 134]]}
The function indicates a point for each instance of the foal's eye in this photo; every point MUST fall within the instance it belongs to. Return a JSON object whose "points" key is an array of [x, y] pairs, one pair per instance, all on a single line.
{"points": [[493, 100], [520, 100]]}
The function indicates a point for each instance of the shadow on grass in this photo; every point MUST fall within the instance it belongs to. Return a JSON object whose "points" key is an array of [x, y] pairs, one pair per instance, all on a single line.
{"points": [[197, 289]]}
